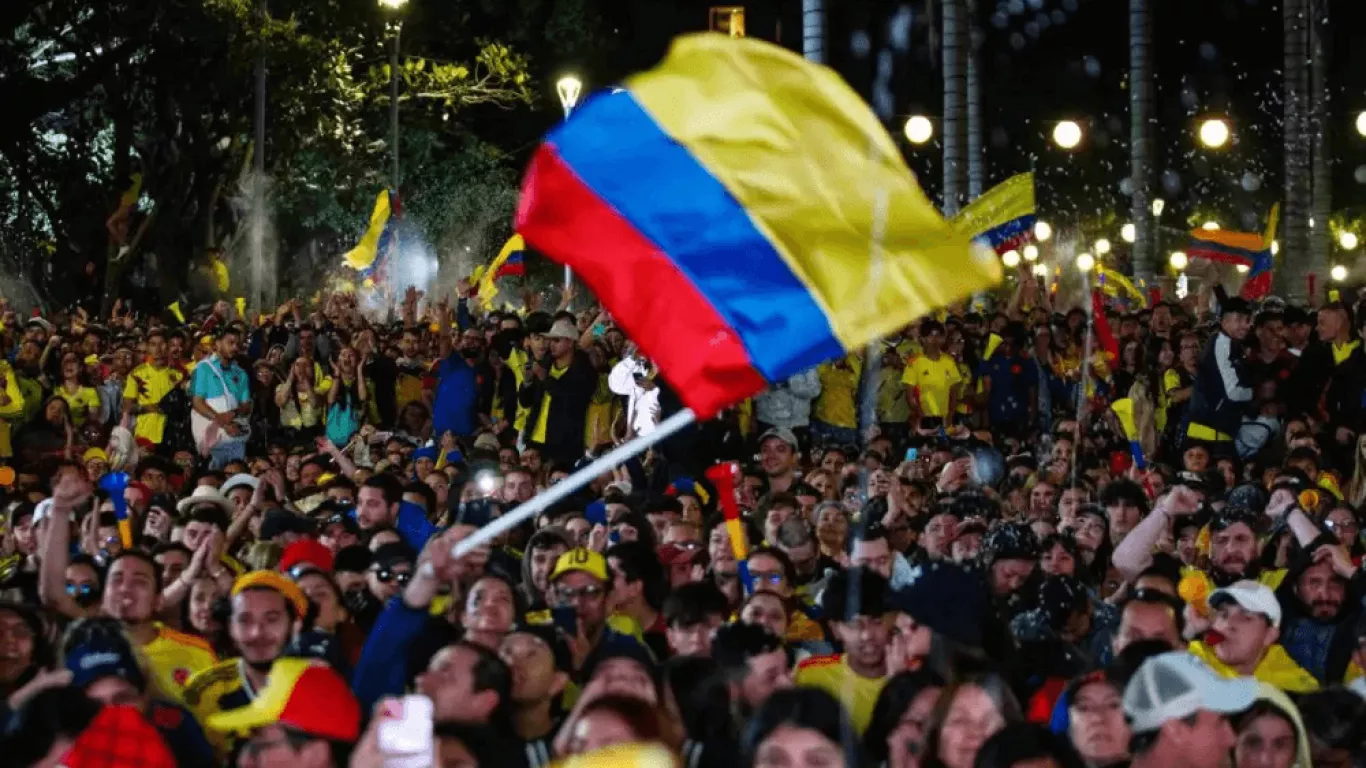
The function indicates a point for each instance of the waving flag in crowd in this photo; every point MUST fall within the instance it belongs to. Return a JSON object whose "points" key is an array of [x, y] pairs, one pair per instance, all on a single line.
{"points": [[380, 238], [744, 216], [1246, 248], [1117, 285], [1003, 217], [510, 262]]}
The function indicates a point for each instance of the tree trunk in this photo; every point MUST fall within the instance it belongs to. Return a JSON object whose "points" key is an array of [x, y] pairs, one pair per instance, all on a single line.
{"points": [[1141, 144], [955, 104], [1294, 253], [977, 173], [813, 30], [1320, 236]]}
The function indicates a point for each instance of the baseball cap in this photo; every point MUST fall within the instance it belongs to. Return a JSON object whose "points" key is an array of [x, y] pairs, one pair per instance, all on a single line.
{"points": [[581, 559], [104, 657], [302, 694], [782, 434], [272, 580], [672, 554], [1175, 684], [1251, 596]]}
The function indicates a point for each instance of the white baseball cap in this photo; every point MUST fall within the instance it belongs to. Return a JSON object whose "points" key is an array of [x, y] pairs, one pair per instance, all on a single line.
{"points": [[1251, 596], [1175, 684]]}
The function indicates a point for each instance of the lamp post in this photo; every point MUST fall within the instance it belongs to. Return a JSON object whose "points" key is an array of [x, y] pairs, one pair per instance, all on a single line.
{"points": [[568, 89], [394, 5]]}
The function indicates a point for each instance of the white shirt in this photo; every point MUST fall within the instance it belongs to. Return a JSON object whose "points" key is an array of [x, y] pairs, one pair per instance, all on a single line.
{"points": [[642, 405]]}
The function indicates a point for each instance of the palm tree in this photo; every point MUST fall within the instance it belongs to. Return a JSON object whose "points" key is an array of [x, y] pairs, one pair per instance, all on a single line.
{"points": [[1295, 255], [955, 51], [1320, 238], [976, 159], [813, 30], [1141, 136]]}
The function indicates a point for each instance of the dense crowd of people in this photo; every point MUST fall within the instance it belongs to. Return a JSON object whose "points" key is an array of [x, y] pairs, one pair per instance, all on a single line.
{"points": [[229, 540]]}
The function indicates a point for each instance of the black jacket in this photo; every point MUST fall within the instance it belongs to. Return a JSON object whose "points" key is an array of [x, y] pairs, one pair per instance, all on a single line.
{"points": [[1223, 386], [570, 395]]}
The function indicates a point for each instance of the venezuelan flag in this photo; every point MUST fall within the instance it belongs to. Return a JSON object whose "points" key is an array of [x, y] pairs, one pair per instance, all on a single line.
{"points": [[744, 216], [1240, 248], [380, 237], [1003, 217]]}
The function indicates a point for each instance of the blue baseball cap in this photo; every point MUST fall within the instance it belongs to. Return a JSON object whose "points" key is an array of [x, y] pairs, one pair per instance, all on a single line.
{"points": [[101, 658]]}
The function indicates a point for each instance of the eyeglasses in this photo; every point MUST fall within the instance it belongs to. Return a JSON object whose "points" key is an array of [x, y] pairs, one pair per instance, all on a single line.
{"points": [[570, 594], [386, 575]]}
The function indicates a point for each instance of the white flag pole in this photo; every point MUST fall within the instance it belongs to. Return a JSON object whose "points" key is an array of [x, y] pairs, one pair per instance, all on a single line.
{"points": [[574, 482]]}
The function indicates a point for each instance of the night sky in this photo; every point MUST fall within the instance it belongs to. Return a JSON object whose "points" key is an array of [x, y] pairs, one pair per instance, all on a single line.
{"points": [[1046, 60]]}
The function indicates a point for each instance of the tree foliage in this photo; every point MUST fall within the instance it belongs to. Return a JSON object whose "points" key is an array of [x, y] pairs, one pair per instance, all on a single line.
{"points": [[98, 92]]}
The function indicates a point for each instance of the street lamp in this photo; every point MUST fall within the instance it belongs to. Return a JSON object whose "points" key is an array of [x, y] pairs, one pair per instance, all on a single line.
{"points": [[395, 6], [568, 89], [1102, 247], [1128, 233], [1179, 261], [919, 129], [1067, 134], [1011, 258], [1042, 231], [1086, 262], [1339, 273], [1214, 133], [1031, 252], [1348, 240]]}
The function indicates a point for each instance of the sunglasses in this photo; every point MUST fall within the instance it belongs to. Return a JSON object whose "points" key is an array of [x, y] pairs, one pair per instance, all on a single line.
{"points": [[82, 590], [385, 576]]}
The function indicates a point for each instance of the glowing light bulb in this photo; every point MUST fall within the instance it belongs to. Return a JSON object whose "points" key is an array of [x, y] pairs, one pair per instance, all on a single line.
{"points": [[1128, 233], [1042, 231], [1067, 134], [1178, 260], [919, 129], [1214, 133], [1011, 258], [1031, 252], [1339, 273], [1102, 246], [1348, 240], [1086, 262]]}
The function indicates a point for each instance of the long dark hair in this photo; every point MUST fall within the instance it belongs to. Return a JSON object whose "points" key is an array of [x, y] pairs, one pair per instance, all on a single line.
{"points": [[897, 696], [995, 687], [804, 708]]}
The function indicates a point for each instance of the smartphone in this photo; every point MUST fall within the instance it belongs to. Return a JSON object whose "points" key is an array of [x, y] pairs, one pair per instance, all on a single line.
{"points": [[566, 617], [912, 453], [405, 733]]}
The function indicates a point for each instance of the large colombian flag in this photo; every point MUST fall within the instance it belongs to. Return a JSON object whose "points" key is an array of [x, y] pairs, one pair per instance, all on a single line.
{"points": [[1003, 217], [744, 216]]}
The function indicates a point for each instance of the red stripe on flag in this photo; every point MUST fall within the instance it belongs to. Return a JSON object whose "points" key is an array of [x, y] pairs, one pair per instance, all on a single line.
{"points": [[648, 296]]}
